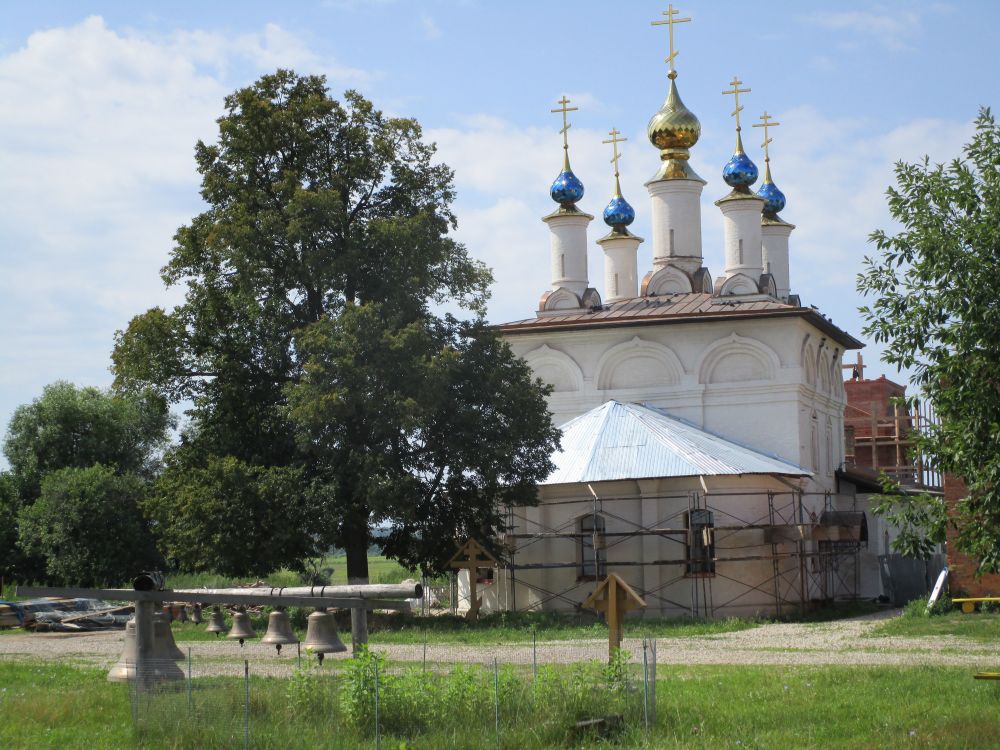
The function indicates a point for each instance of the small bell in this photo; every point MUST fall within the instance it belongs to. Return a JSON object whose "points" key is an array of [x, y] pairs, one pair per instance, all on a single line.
{"points": [[242, 627], [196, 614], [321, 635], [279, 630], [124, 670], [216, 622]]}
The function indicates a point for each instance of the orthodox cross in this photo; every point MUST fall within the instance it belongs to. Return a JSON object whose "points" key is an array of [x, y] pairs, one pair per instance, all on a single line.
{"points": [[736, 91], [470, 557], [613, 597], [669, 23], [615, 140], [766, 124], [566, 126]]}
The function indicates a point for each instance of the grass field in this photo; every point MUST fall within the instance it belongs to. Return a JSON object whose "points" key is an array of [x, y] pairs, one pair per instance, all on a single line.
{"points": [[503, 627], [56, 706], [979, 626]]}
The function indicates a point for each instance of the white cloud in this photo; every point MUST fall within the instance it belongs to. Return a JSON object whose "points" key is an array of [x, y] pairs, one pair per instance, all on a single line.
{"points": [[98, 172], [894, 28], [431, 29]]}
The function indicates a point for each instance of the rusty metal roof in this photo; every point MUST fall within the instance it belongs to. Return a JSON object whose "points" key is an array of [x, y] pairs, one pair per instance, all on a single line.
{"points": [[632, 441], [678, 308]]}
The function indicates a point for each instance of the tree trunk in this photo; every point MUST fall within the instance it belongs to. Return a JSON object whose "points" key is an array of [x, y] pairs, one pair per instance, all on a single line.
{"points": [[357, 552]]}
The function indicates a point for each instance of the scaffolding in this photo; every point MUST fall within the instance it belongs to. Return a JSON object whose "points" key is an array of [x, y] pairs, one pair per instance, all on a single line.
{"points": [[884, 444], [793, 551]]}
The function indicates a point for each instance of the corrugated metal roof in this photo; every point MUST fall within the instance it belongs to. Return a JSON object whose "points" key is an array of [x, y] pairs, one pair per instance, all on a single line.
{"points": [[631, 441], [677, 308]]}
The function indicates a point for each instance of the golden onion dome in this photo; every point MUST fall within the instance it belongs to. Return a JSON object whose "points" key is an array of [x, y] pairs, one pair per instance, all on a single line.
{"points": [[674, 129]]}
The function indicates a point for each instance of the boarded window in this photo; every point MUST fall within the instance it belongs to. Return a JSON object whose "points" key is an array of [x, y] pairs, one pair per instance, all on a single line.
{"points": [[592, 556], [701, 543]]}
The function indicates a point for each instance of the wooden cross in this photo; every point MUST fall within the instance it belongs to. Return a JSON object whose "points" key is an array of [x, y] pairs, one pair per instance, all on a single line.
{"points": [[766, 124], [615, 140], [614, 598], [566, 125], [669, 23], [472, 556], [736, 91]]}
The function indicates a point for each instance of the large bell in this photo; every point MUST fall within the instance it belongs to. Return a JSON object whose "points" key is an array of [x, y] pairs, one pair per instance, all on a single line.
{"points": [[164, 645], [279, 630], [216, 622], [196, 613], [242, 627], [321, 635], [158, 669]]}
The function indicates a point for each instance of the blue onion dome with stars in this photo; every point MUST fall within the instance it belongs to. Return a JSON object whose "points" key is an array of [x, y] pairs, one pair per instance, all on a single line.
{"points": [[618, 214], [567, 188], [740, 172], [774, 198]]}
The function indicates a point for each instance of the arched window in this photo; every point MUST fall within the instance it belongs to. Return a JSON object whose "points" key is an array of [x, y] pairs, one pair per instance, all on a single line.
{"points": [[593, 562]]}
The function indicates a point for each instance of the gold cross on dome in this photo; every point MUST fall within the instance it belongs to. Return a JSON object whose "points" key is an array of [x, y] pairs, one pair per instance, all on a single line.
{"points": [[615, 140], [669, 23], [766, 124], [736, 91], [566, 125]]}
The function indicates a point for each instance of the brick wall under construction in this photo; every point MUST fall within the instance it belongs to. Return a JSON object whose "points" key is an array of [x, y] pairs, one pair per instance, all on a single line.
{"points": [[962, 567]]}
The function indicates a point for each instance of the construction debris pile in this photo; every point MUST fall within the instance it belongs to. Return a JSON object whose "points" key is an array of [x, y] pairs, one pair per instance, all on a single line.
{"points": [[63, 615]]}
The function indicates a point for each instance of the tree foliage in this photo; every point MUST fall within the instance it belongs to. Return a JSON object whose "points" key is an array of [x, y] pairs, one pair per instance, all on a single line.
{"points": [[87, 527], [224, 507], [78, 427], [312, 278], [936, 290]]}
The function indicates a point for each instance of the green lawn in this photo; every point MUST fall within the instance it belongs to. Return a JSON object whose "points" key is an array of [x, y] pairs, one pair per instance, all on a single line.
{"points": [[979, 626], [60, 707], [503, 627]]}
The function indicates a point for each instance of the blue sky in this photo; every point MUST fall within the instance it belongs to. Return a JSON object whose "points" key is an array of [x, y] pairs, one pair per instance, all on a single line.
{"points": [[101, 104]]}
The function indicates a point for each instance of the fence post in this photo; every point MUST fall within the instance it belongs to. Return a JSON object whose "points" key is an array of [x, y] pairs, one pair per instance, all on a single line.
{"points": [[190, 697], [653, 682], [496, 698], [246, 704], [645, 683], [425, 653], [378, 737], [534, 654]]}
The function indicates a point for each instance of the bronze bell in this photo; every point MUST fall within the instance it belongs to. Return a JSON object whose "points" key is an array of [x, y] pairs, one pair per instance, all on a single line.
{"points": [[159, 668], [164, 645], [216, 622], [321, 635], [242, 627], [279, 630], [196, 614]]}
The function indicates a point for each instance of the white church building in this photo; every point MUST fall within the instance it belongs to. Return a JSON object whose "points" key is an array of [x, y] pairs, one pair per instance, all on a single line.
{"points": [[702, 413]]}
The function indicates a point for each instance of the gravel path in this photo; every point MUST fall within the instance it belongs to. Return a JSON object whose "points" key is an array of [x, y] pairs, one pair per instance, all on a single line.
{"points": [[841, 642]]}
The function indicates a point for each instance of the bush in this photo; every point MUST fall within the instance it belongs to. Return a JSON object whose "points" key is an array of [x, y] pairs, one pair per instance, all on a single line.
{"points": [[918, 607]]}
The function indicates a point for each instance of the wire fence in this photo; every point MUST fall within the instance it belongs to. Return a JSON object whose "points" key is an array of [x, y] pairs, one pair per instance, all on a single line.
{"points": [[250, 697]]}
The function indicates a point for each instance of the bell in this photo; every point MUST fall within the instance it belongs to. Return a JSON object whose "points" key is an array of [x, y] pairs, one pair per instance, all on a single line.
{"points": [[321, 635], [196, 614], [159, 669], [164, 645], [242, 627], [216, 622], [279, 630]]}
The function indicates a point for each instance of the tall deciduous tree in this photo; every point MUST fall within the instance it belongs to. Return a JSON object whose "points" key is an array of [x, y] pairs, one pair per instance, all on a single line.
{"points": [[78, 427], [936, 285], [308, 339], [87, 527]]}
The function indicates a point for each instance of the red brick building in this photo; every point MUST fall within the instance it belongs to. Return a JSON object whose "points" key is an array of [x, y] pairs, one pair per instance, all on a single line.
{"points": [[961, 567]]}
